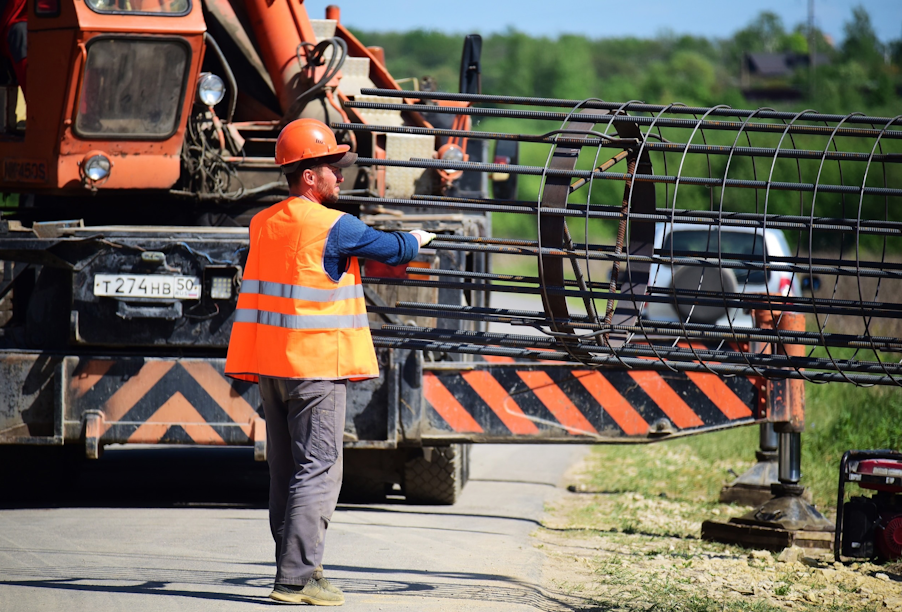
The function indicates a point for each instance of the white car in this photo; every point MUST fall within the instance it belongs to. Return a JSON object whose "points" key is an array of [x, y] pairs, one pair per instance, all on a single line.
{"points": [[749, 243]]}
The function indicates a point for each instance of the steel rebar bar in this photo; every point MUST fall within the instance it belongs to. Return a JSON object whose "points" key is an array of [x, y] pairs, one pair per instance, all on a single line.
{"points": [[623, 176], [637, 363], [615, 106], [695, 217], [665, 329], [635, 350], [617, 143], [771, 128]]}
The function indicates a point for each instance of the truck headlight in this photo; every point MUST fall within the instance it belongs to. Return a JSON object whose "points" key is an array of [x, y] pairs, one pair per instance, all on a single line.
{"points": [[451, 153], [97, 167], [210, 89], [221, 287]]}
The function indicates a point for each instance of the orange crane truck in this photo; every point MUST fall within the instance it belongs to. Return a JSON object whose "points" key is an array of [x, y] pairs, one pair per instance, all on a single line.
{"points": [[147, 146]]}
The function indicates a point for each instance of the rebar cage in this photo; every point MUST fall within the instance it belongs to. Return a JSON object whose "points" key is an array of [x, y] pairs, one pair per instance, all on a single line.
{"points": [[735, 242]]}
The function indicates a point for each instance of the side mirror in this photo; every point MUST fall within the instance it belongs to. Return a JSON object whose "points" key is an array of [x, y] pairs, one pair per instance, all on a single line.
{"points": [[470, 70], [811, 282], [504, 184]]}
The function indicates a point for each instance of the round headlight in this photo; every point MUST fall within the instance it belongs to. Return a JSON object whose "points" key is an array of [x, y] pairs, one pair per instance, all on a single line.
{"points": [[452, 153], [97, 167], [210, 89]]}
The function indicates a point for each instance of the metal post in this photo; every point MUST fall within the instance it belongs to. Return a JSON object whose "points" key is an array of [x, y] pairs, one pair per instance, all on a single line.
{"points": [[790, 458], [767, 442]]}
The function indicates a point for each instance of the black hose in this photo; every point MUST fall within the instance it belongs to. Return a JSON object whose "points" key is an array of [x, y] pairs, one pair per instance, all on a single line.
{"points": [[316, 58]]}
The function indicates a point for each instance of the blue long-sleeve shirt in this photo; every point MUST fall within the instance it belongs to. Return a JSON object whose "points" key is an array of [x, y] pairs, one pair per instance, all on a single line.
{"points": [[351, 237]]}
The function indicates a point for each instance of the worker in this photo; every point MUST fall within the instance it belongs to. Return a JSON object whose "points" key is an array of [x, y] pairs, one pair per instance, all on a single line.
{"points": [[301, 332]]}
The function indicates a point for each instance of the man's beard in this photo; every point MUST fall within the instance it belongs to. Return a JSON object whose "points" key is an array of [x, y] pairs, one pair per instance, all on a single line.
{"points": [[326, 196]]}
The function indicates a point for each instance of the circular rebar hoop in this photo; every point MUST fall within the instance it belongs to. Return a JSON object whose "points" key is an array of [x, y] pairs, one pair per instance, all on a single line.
{"points": [[720, 212], [676, 188], [653, 317], [632, 162], [774, 315], [865, 318], [555, 230]]}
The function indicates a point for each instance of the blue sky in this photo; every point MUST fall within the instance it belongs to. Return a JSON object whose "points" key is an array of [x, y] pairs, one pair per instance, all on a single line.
{"points": [[597, 19]]}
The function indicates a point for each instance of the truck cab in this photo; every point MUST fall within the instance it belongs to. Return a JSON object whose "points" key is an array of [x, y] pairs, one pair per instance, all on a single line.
{"points": [[146, 149], [176, 104], [110, 87]]}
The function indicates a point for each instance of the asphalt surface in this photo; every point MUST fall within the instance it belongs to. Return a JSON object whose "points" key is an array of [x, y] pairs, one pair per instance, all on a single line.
{"points": [[187, 529]]}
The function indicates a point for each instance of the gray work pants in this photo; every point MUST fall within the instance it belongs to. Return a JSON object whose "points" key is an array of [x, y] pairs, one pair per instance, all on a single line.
{"points": [[304, 429]]}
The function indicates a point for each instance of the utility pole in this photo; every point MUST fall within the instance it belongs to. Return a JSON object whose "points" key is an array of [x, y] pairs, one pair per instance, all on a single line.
{"points": [[812, 71]]}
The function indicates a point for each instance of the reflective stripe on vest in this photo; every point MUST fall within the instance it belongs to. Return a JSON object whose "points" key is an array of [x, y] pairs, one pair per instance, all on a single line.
{"points": [[299, 292], [277, 319]]}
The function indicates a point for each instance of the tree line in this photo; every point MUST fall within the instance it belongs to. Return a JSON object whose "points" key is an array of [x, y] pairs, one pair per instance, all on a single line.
{"points": [[863, 73]]}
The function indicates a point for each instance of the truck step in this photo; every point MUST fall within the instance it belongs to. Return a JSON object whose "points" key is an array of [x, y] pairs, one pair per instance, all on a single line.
{"points": [[355, 74], [404, 182], [377, 116], [323, 28]]}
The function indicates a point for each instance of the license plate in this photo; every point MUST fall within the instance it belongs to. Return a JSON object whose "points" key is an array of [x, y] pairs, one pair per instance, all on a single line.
{"points": [[15, 170], [147, 286]]}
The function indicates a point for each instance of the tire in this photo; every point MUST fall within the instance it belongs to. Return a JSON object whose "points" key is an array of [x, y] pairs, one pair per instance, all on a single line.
{"points": [[440, 480]]}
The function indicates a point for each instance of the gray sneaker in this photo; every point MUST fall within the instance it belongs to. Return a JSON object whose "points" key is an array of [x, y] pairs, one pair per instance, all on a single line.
{"points": [[321, 580], [311, 593]]}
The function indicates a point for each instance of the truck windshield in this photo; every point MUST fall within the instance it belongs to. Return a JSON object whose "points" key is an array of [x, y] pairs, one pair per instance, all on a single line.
{"points": [[132, 88], [703, 243], [155, 7]]}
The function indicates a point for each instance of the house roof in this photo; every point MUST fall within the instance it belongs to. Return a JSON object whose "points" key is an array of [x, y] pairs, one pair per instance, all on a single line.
{"points": [[780, 64]]}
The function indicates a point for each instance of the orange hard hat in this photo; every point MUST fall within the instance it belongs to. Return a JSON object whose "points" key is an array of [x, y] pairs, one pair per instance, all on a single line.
{"points": [[305, 139]]}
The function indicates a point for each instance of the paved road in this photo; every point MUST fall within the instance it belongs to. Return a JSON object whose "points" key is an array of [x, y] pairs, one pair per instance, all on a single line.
{"points": [[193, 535]]}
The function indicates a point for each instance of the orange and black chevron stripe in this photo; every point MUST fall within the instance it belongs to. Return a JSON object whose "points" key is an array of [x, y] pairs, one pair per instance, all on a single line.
{"points": [[164, 401], [500, 399]]}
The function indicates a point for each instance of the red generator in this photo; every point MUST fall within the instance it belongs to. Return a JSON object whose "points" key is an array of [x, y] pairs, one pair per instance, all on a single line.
{"points": [[870, 527]]}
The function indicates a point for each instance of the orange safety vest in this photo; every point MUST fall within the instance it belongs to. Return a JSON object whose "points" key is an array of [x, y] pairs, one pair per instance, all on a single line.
{"points": [[293, 320]]}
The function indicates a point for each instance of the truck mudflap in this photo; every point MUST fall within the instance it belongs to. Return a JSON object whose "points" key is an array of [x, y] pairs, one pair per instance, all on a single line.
{"points": [[127, 400], [504, 401]]}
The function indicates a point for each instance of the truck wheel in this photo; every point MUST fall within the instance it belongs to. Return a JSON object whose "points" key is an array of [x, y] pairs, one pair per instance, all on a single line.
{"points": [[439, 480]]}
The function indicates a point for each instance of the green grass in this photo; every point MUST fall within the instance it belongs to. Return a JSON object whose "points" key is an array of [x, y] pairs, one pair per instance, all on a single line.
{"points": [[513, 225], [9, 202], [839, 417], [661, 590]]}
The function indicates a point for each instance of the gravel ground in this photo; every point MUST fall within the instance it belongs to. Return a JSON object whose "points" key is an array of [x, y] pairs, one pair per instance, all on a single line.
{"points": [[625, 551]]}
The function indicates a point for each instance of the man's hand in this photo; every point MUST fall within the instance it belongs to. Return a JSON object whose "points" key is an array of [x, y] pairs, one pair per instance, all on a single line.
{"points": [[423, 237]]}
